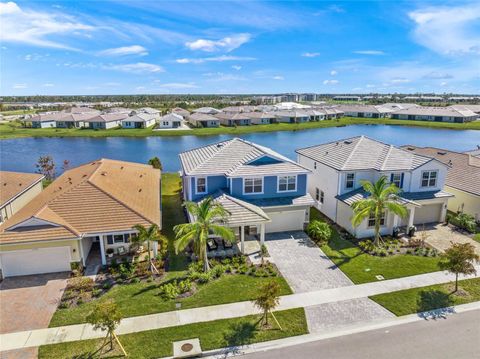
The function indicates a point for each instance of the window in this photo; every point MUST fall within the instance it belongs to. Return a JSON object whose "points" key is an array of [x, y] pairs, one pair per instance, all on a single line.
{"points": [[396, 179], [371, 220], [319, 195], [253, 185], [109, 239], [287, 183], [118, 238], [201, 186], [429, 178], [350, 180], [126, 238], [314, 165]]}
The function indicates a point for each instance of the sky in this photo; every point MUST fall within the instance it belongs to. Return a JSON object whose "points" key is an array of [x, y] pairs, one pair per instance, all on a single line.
{"points": [[236, 47]]}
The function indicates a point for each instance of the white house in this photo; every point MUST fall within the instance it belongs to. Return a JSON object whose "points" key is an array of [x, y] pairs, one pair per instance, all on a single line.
{"points": [[140, 120], [292, 116], [339, 167], [171, 120], [262, 118], [203, 120], [106, 121]]}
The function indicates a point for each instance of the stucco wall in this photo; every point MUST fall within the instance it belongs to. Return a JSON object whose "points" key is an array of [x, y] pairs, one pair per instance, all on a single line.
{"points": [[463, 201], [73, 244], [270, 188], [8, 210]]}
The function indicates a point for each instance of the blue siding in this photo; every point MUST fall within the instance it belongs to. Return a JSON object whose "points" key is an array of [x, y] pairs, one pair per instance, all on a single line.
{"points": [[269, 188], [214, 183]]}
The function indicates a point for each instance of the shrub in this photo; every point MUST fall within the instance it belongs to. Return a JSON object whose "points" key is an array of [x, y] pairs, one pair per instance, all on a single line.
{"points": [[169, 291], [217, 271], [79, 301], [463, 221], [107, 285], [63, 305], [81, 284], [204, 278], [264, 251], [185, 286], [366, 245], [243, 269], [319, 231], [96, 292]]}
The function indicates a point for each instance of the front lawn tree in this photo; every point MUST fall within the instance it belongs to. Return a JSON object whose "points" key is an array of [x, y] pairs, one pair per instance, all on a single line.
{"points": [[149, 235], [268, 298], [106, 316], [155, 163], [459, 258], [381, 197], [209, 218]]}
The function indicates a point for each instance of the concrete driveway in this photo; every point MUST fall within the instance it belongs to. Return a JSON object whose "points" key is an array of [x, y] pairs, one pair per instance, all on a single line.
{"points": [[306, 268], [440, 237], [28, 302]]}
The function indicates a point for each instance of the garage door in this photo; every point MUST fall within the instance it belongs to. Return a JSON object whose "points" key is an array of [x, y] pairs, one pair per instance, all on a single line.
{"points": [[285, 221], [36, 261], [427, 214]]}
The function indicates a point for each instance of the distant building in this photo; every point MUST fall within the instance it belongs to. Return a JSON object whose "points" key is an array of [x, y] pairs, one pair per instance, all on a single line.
{"points": [[203, 120], [438, 114], [367, 111], [171, 120], [347, 98]]}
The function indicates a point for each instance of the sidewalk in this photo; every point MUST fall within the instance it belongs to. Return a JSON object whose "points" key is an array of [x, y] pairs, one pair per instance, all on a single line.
{"points": [[70, 333]]}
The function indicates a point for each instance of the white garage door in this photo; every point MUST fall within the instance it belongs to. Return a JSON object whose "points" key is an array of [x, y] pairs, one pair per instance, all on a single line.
{"points": [[427, 214], [36, 261], [285, 221]]}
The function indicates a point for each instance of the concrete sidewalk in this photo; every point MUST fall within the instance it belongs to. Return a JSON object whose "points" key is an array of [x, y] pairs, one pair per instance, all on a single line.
{"points": [[70, 333]]}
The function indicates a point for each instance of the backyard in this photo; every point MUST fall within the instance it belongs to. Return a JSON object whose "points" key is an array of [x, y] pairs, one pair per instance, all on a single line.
{"points": [[212, 335], [361, 267], [144, 298]]}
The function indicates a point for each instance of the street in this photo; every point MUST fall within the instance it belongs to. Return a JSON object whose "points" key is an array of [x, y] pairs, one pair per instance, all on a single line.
{"points": [[457, 337]]}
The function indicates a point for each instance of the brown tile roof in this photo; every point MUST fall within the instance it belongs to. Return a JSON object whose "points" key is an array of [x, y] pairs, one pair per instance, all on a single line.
{"points": [[463, 172], [14, 183], [101, 196]]}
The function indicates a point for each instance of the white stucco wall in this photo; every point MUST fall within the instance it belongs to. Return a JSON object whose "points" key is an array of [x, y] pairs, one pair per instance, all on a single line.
{"points": [[464, 202], [415, 184]]}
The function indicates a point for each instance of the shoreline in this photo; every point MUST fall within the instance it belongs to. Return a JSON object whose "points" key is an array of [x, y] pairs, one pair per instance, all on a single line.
{"points": [[12, 131]]}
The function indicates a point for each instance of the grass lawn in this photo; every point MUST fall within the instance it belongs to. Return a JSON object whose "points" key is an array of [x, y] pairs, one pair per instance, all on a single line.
{"points": [[14, 129], [213, 335], [361, 267], [427, 298], [142, 298], [476, 237]]}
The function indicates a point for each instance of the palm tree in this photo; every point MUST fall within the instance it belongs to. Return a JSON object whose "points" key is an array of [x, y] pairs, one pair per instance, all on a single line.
{"points": [[148, 235], [382, 197], [207, 215]]}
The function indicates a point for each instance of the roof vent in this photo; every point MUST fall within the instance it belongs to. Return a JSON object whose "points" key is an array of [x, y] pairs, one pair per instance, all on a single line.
{"points": [[411, 148], [104, 173], [441, 153], [347, 142], [219, 145], [139, 190], [450, 163]]}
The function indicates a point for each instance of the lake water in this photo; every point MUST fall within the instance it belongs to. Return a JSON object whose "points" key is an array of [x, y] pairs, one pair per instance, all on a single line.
{"points": [[21, 154]]}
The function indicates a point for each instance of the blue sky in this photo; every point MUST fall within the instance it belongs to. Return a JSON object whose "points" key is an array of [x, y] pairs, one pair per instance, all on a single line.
{"points": [[156, 47]]}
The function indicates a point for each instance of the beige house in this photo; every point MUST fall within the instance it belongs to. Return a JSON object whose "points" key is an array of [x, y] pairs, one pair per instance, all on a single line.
{"points": [[94, 205], [463, 178], [17, 189]]}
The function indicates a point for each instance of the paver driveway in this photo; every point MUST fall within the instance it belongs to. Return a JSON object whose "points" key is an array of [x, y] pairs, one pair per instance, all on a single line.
{"points": [[306, 268], [29, 302]]}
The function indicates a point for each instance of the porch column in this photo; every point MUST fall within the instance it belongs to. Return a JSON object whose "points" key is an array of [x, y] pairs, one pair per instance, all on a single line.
{"points": [[242, 239], [102, 250], [262, 234], [411, 214], [155, 248], [443, 214]]}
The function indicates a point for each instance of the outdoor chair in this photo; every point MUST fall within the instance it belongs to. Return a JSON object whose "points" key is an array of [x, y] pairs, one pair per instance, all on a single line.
{"points": [[212, 245], [227, 244], [121, 251]]}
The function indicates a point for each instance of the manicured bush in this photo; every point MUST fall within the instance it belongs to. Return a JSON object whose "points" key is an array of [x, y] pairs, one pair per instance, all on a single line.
{"points": [[169, 291], [463, 221], [319, 231]]}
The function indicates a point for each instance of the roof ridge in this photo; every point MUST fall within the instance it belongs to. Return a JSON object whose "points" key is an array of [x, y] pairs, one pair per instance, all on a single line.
{"points": [[249, 206], [352, 151], [327, 143], [390, 148]]}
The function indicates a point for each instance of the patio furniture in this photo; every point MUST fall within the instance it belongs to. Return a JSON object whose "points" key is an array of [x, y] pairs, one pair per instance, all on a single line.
{"points": [[121, 251], [211, 245], [227, 244]]}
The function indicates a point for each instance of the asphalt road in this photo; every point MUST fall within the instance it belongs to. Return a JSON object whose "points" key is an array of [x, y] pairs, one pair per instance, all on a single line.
{"points": [[456, 337]]}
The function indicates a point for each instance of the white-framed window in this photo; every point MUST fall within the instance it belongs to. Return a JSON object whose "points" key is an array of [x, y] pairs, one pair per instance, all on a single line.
{"points": [[287, 183], [429, 178], [200, 185], [397, 179], [253, 185], [350, 180], [165, 123], [319, 195], [119, 238], [371, 220]]}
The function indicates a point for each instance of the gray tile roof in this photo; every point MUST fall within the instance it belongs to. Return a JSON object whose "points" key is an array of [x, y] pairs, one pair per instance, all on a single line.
{"points": [[363, 153], [463, 169], [454, 111], [404, 197], [171, 117], [140, 117], [108, 117], [233, 157], [199, 117]]}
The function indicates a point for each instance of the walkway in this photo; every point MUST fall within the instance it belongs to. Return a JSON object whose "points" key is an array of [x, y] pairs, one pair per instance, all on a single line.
{"points": [[440, 237], [70, 333], [315, 271]]}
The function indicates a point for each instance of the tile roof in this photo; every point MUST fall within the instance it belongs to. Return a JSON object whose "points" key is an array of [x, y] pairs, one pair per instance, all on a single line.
{"points": [[171, 117], [101, 196], [463, 169], [14, 183], [233, 157], [365, 108], [363, 153], [140, 117], [305, 200], [199, 117], [454, 111], [108, 117], [207, 110]]}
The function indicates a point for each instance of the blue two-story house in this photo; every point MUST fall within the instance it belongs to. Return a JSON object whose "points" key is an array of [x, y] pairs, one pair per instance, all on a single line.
{"points": [[262, 191]]}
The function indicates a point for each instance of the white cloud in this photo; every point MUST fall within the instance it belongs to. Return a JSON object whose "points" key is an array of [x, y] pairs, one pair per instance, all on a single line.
{"points": [[330, 82], [333, 73], [310, 54], [370, 86], [448, 30], [220, 76], [213, 59], [35, 27], [20, 86], [48, 84], [399, 80], [137, 68], [125, 50], [443, 83], [227, 44], [237, 67], [140, 88], [369, 52], [438, 75], [278, 78], [179, 85]]}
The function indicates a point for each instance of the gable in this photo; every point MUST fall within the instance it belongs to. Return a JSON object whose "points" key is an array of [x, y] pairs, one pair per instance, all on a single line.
{"points": [[32, 222], [264, 160]]}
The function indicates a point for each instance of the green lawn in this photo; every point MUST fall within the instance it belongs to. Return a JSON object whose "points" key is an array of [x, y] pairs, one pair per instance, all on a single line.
{"points": [[14, 129], [213, 335], [476, 237], [427, 298], [361, 267], [142, 298]]}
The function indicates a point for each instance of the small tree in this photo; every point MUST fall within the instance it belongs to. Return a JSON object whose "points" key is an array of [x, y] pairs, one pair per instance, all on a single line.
{"points": [[106, 316], [46, 167], [155, 163], [459, 259], [319, 231], [268, 299], [150, 234]]}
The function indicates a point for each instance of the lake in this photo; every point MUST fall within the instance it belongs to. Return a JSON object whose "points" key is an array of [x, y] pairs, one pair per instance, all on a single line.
{"points": [[21, 154]]}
